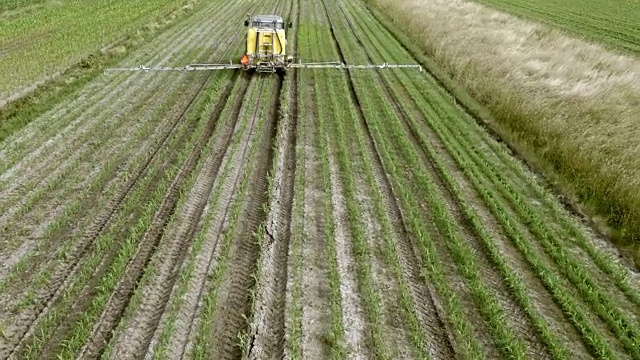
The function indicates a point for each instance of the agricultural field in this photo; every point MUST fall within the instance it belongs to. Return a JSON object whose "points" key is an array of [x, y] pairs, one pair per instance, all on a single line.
{"points": [[615, 23], [323, 214], [40, 38]]}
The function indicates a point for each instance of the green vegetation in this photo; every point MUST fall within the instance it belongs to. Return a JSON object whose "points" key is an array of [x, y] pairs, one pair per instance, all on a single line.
{"points": [[616, 24], [578, 128], [48, 54], [7, 5], [54, 37]]}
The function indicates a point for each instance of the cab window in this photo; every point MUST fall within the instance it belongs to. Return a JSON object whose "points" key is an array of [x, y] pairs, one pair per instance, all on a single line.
{"points": [[267, 24]]}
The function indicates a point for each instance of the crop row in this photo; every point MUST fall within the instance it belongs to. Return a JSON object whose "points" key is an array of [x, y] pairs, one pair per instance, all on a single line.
{"points": [[572, 285], [54, 165], [101, 268], [593, 286]]}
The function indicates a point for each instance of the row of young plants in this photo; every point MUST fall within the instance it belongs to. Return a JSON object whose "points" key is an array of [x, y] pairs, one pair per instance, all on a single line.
{"points": [[329, 112], [293, 308], [578, 273], [592, 291], [55, 246], [512, 279], [510, 275], [61, 191], [63, 186], [104, 265], [186, 269], [377, 114], [487, 304], [186, 279], [186, 275], [110, 252], [341, 117], [390, 236], [105, 175], [255, 116], [87, 340], [77, 125], [321, 48]]}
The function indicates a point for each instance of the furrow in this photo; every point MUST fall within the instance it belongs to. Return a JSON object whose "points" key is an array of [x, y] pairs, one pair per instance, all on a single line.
{"points": [[141, 149], [267, 330], [233, 310]]}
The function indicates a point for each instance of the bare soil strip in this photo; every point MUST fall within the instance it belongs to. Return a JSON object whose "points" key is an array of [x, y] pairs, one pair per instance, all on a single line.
{"points": [[316, 318]]}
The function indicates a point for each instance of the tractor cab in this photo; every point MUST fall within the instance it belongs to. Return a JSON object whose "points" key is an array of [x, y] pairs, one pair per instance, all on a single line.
{"points": [[266, 22], [266, 43]]}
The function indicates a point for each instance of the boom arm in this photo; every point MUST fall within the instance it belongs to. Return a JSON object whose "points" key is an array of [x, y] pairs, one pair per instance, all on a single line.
{"points": [[230, 66]]}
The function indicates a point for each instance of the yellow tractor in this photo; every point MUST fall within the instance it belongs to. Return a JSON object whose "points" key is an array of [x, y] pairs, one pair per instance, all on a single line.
{"points": [[265, 51], [266, 44]]}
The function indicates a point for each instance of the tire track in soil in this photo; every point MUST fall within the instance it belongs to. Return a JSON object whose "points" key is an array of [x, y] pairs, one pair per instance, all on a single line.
{"points": [[121, 295], [233, 308], [313, 305], [353, 314], [267, 339], [28, 321], [182, 337], [425, 298], [267, 336], [221, 103], [237, 160], [209, 252], [314, 281]]}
